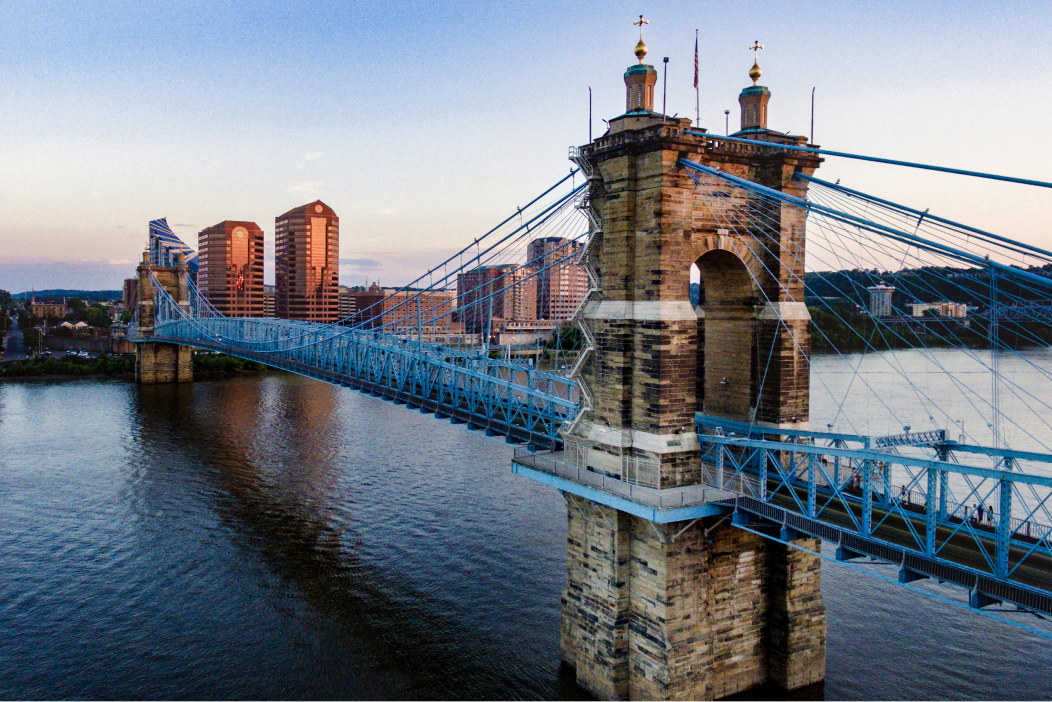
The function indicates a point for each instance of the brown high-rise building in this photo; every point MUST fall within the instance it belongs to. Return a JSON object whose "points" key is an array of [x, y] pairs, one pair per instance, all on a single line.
{"points": [[561, 285], [306, 264], [489, 296], [230, 273], [131, 292]]}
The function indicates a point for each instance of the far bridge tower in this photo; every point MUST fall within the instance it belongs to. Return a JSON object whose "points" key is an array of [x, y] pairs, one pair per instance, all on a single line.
{"points": [[155, 361]]}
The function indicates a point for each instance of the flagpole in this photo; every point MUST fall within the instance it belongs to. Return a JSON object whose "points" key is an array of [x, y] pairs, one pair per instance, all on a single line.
{"points": [[697, 93]]}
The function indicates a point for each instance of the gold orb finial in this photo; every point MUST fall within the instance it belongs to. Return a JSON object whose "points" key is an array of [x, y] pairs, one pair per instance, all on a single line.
{"points": [[755, 72], [641, 48]]}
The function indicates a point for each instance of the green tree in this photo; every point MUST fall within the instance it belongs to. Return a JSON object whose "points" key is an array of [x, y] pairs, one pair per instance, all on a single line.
{"points": [[26, 319], [75, 304], [5, 305], [97, 316]]}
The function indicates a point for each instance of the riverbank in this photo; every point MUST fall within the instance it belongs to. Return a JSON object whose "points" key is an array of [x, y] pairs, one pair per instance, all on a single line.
{"points": [[123, 367], [67, 367]]}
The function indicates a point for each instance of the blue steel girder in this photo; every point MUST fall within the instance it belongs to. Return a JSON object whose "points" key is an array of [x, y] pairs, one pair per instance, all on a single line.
{"points": [[835, 496], [925, 539]]}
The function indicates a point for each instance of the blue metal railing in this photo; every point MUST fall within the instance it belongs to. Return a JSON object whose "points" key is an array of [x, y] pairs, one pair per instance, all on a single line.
{"points": [[818, 485]]}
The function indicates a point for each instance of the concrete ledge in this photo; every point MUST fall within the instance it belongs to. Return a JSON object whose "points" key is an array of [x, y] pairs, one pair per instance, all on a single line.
{"points": [[661, 506], [642, 440], [623, 504], [784, 310], [642, 311]]}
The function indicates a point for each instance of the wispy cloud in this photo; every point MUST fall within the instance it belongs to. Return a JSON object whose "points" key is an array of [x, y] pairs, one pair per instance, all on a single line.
{"points": [[388, 210], [190, 226], [119, 261], [307, 158], [362, 263], [305, 187]]}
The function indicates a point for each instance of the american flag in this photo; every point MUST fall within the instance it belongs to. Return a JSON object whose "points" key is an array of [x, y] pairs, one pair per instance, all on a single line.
{"points": [[695, 59]]}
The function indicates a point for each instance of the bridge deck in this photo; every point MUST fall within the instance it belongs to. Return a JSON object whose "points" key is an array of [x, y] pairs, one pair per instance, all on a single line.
{"points": [[963, 559], [957, 547]]}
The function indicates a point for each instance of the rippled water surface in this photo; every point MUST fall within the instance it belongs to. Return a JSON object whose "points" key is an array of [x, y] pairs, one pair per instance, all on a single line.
{"points": [[276, 537]]}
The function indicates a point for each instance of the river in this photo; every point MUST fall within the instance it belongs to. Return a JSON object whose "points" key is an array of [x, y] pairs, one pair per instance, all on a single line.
{"points": [[277, 537]]}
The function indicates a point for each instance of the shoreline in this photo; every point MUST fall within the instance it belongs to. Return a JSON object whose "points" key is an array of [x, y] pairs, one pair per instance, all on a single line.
{"points": [[128, 377]]}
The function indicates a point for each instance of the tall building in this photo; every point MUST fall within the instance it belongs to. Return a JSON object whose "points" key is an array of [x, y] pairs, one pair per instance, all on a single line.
{"points": [[955, 310], [880, 300], [347, 300], [404, 310], [165, 246], [489, 296], [306, 264], [561, 285], [367, 304], [430, 312], [131, 292], [268, 301], [47, 307], [230, 273]]}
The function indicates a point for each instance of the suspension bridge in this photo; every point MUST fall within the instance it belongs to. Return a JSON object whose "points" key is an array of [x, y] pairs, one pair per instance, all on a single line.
{"points": [[731, 429]]}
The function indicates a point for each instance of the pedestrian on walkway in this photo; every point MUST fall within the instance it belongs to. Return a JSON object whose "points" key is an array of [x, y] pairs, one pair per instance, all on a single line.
{"points": [[979, 514]]}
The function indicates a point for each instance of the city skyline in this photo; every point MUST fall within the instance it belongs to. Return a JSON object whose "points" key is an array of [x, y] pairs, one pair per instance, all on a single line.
{"points": [[114, 116]]}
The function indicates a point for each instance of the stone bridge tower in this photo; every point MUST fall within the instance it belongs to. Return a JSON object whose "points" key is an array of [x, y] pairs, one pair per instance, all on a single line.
{"points": [[156, 361], [702, 609]]}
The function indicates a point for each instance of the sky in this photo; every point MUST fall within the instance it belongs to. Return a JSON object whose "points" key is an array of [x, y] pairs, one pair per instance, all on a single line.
{"points": [[425, 123]]}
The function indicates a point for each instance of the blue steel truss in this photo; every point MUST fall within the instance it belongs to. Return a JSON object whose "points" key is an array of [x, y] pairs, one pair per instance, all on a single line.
{"points": [[803, 483], [500, 397]]}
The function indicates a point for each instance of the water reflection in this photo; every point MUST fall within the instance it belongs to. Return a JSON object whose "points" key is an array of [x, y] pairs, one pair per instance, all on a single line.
{"points": [[292, 507]]}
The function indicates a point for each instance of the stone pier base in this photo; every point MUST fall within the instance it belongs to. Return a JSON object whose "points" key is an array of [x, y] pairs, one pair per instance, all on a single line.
{"points": [[656, 611], [156, 362]]}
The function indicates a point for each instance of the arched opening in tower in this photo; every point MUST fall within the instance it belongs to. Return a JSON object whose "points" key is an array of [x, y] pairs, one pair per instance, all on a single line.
{"points": [[726, 335]]}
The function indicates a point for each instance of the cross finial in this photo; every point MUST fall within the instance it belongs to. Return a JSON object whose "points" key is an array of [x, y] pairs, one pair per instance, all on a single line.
{"points": [[755, 71], [641, 48], [640, 22]]}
